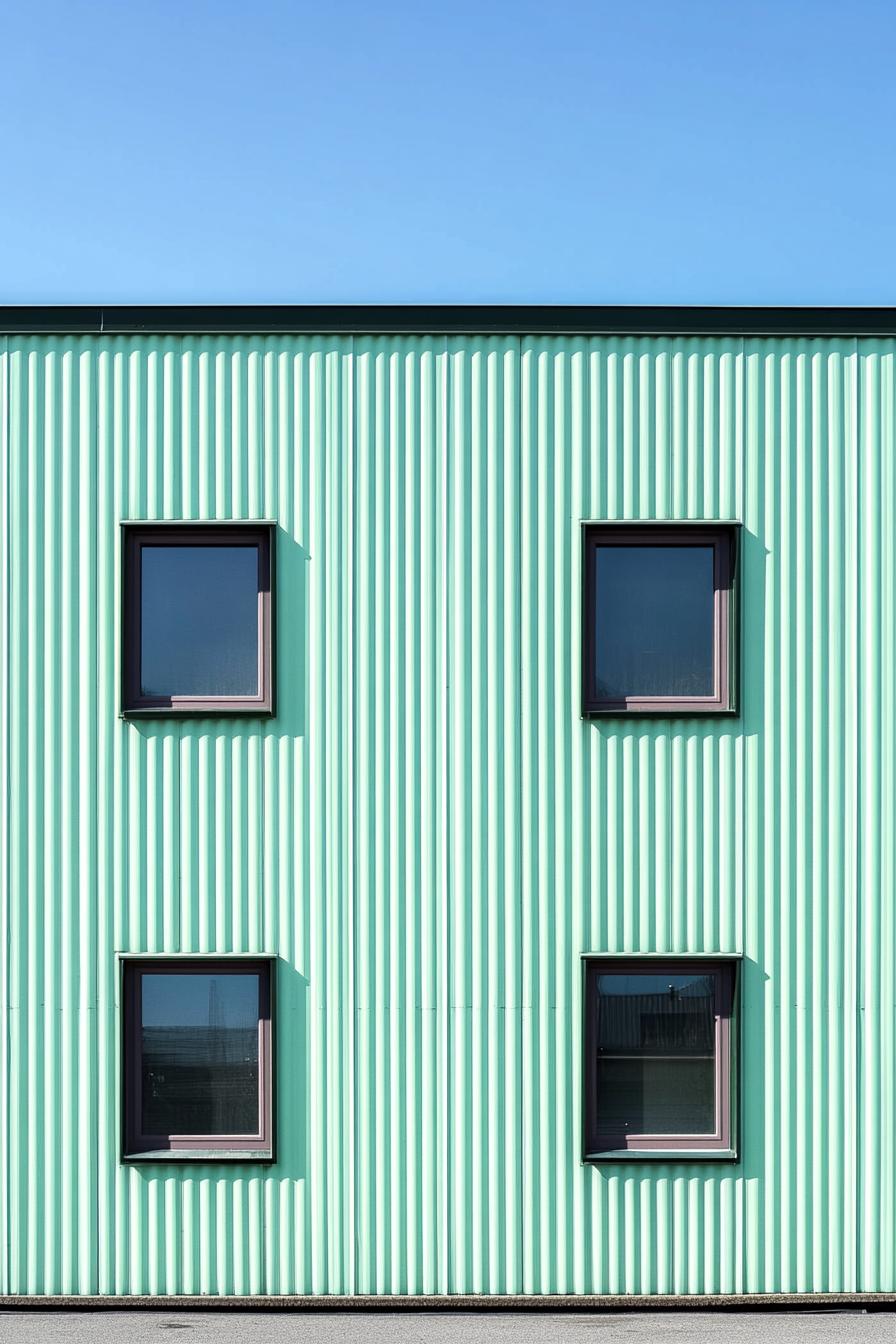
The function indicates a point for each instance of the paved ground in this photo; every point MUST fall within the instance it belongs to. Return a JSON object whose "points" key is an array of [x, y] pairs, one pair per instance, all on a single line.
{"points": [[207, 1327]]}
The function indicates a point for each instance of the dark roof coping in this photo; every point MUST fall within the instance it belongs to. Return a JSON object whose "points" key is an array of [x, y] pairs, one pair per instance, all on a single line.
{"points": [[445, 319]]}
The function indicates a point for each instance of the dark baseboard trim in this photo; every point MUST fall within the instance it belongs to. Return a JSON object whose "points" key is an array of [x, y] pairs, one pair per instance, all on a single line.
{"points": [[460, 1302]]}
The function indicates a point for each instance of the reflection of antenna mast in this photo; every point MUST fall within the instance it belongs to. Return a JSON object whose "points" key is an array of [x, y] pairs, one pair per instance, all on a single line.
{"points": [[214, 1021]]}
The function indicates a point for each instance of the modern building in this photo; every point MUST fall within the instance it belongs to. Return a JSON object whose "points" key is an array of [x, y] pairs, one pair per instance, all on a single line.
{"points": [[449, 801]]}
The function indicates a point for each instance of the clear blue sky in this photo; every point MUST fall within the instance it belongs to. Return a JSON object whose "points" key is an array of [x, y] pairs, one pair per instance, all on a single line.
{"points": [[461, 151]]}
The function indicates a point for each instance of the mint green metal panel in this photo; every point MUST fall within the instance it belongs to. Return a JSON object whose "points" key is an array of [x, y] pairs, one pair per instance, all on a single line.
{"points": [[436, 596], [5, 781], [426, 834], [803, 791], [876, 809], [399, 1062], [633, 830], [172, 836]]}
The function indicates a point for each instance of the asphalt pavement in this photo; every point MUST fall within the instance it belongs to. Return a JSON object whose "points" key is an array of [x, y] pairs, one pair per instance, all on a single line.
{"points": [[413, 1327]]}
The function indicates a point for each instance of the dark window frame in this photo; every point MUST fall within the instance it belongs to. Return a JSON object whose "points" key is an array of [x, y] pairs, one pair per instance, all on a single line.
{"points": [[134, 537], [598, 1146], [140, 1147], [723, 539]]}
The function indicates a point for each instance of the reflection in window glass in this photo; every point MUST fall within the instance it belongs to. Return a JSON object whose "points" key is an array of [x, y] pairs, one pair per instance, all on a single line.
{"points": [[200, 1053], [199, 621], [654, 626], [656, 1054]]}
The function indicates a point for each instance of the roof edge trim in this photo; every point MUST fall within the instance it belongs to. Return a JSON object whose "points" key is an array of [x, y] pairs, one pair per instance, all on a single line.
{"points": [[445, 319]]}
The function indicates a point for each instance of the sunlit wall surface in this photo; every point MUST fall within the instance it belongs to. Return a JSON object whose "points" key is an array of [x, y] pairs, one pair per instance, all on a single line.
{"points": [[427, 834]]}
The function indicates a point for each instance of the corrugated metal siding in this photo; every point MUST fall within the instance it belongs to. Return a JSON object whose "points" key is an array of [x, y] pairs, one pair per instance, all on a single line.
{"points": [[802, 791], [876, 728], [426, 834], [5, 794], [633, 830]]}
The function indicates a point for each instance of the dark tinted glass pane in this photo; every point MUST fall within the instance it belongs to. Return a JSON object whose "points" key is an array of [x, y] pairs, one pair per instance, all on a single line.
{"points": [[654, 621], [656, 1053], [655, 1096], [200, 1054], [199, 618]]}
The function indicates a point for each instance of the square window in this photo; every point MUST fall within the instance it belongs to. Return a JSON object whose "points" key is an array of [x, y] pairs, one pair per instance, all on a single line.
{"points": [[657, 619], [197, 1058], [659, 1043], [196, 619]]}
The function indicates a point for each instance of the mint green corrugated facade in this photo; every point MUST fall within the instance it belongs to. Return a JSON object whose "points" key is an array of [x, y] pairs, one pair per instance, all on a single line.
{"points": [[427, 835]]}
